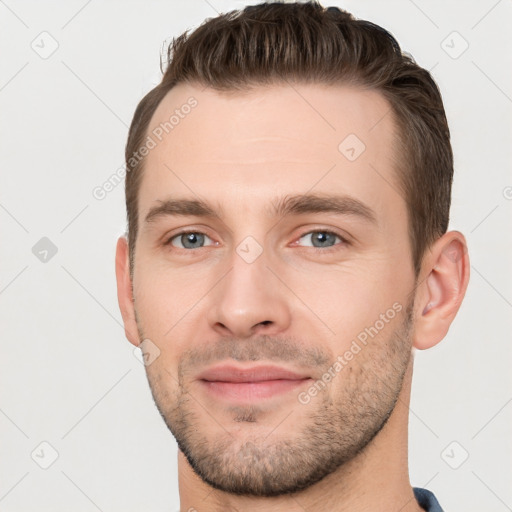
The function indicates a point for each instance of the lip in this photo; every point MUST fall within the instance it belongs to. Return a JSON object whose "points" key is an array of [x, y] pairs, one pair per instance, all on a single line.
{"points": [[230, 373], [236, 384]]}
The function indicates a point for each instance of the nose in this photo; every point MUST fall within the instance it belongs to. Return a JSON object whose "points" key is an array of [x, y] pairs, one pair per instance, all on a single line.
{"points": [[249, 300]]}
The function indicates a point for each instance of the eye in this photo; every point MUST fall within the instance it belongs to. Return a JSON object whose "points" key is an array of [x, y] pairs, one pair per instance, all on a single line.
{"points": [[189, 240], [319, 239], [316, 239]]}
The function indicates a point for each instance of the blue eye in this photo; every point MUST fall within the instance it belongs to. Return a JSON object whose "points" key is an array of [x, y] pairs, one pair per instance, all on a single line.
{"points": [[316, 239], [321, 239], [189, 240]]}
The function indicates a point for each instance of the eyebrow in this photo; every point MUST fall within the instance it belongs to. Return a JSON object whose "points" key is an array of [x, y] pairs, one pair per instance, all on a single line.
{"points": [[323, 203], [280, 207]]}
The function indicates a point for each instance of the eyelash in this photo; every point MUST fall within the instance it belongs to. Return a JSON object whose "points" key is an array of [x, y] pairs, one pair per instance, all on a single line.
{"points": [[344, 241]]}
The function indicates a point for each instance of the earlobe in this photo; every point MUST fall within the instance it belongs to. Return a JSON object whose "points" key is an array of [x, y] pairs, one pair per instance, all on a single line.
{"points": [[442, 290], [124, 291]]}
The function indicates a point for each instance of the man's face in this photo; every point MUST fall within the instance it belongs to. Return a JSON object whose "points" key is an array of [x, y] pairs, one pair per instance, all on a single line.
{"points": [[265, 279]]}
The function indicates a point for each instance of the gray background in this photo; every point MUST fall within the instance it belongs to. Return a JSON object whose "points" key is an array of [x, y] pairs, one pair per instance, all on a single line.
{"points": [[70, 379]]}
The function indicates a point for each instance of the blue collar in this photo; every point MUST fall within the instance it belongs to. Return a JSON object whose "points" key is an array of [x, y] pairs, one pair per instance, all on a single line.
{"points": [[426, 500]]}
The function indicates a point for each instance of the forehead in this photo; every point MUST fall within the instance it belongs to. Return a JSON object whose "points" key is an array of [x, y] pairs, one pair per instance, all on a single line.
{"points": [[290, 138]]}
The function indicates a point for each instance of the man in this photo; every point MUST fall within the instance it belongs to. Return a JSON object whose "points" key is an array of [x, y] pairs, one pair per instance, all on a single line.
{"points": [[288, 193]]}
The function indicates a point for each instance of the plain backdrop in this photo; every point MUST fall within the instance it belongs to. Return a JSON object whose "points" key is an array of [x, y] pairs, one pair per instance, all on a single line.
{"points": [[79, 430]]}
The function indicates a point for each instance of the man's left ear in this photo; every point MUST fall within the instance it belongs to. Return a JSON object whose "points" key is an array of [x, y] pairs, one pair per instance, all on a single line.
{"points": [[443, 283]]}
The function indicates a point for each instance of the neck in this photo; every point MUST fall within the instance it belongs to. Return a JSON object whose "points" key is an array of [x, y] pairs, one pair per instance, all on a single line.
{"points": [[376, 479]]}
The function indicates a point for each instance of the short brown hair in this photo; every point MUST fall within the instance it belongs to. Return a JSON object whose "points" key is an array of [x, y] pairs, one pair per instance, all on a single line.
{"points": [[273, 43]]}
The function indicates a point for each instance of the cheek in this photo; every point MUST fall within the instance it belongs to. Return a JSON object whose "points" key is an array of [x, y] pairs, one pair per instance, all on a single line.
{"points": [[351, 298], [166, 298], [334, 301]]}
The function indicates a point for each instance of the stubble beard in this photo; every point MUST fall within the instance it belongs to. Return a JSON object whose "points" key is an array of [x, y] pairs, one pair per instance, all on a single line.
{"points": [[341, 423]]}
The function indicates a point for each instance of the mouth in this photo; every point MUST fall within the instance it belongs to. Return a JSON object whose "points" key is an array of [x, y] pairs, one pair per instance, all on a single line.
{"points": [[250, 391], [237, 384]]}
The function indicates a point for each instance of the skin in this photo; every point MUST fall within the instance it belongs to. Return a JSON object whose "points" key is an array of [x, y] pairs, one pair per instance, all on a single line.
{"points": [[295, 305]]}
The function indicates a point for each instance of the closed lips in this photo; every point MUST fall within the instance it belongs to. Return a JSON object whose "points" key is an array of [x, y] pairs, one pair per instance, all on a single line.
{"points": [[253, 374]]}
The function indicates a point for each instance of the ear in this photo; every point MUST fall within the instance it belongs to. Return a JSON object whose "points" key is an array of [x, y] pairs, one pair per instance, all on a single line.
{"points": [[124, 291], [445, 277]]}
